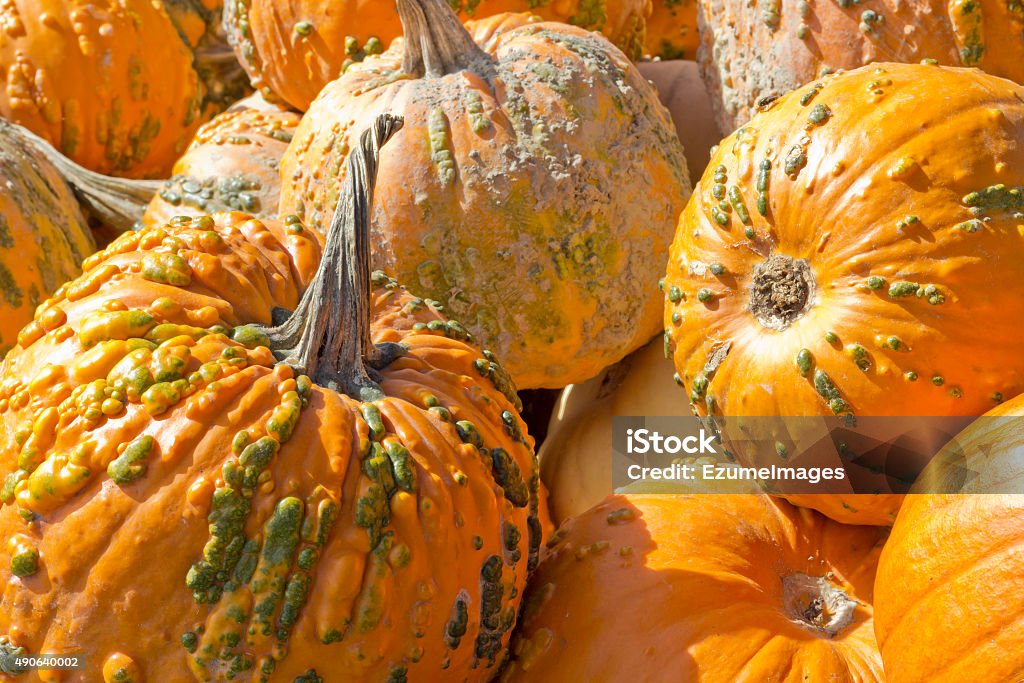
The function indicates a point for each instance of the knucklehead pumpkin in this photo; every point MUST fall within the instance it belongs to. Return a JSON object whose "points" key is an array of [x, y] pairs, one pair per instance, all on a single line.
{"points": [[847, 254], [231, 165], [753, 52], [311, 474], [532, 192], [110, 84], [43, 233]]}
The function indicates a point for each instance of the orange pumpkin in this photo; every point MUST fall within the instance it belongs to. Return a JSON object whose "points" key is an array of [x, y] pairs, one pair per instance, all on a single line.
{"points": [[949, 591], [715, 588], [672, 30], [110, 84], [753, 52], [950, 598], [292, 50], [43, 234], [231, 165], [829, 260], [545, 180], [349, 495]]}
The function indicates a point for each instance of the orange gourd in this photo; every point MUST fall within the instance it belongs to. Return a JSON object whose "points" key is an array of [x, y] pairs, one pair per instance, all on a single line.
{"points": [[750, 52], [544, 175], [231, 165], [344, 492], [292, 50], [43, 233], [949, 594], [847, 254], [710, 588], [672, 30], [110, 84]]}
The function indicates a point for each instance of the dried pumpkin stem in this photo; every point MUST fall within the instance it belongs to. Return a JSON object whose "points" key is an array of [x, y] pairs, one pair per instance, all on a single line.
{"points": [[115, 202], [328, 335], [436, 42]]}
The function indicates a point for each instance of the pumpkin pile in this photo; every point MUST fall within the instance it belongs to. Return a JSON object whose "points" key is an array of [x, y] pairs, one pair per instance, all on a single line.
{"points": [[315, 318]]}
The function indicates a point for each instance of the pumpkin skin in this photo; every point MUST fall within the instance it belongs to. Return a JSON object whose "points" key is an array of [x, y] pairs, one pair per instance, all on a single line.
{"points": [[292, 50], [880, 209], [679, 574], [545, 242], [400, 554], [958, 557], [672, 30], [110, 84], [43, 234], [751, 52], [231, 165], [954, 552]]}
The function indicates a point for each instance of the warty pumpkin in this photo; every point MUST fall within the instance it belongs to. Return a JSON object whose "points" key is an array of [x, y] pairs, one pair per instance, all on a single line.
{"points": [[232, 165], [544, 177], [43, 234], [950, 597], [751, 51], [672, 30], [291, 50], [110, 84], [844, 250], [710, 588], [344, 492]]}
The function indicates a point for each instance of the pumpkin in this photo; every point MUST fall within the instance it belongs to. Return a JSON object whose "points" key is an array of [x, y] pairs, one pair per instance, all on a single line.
{"points": [[752, 52], [43, 234], [545, 179], [231, 165], [948, 586], [292, 50], [715, 588], [682, 91], [110, 84], [342, 492], [672, 30], [828, 262]]}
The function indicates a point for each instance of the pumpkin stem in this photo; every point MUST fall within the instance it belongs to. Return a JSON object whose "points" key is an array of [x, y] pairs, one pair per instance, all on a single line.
{"points": [[328, 335], [436, 42], [781, 291], [816, 604], [115, 202]]}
